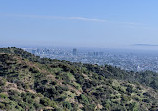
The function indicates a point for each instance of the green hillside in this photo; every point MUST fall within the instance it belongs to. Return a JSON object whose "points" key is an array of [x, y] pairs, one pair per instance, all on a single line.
{"points": [[31, 83]]}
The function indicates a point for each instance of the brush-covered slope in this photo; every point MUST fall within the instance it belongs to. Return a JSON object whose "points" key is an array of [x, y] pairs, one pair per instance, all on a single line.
{"points": [[30, 83]]}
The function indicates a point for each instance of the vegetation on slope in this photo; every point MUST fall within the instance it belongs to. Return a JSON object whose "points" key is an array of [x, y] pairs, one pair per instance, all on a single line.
{"points": [[28, 82]]}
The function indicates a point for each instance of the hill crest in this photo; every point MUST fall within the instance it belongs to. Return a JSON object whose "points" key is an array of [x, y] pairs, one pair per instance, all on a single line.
{"points": [[28, 82]]}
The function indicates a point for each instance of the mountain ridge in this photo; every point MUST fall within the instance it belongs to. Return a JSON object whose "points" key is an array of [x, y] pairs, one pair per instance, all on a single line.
{"points": [[28, 82]]}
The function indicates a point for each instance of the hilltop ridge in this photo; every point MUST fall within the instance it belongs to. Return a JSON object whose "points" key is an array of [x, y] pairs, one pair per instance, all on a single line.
{"points": [[28, 82]]}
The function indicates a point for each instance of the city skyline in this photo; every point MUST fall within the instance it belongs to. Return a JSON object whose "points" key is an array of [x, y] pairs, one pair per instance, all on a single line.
{"points": [[127, 59]]}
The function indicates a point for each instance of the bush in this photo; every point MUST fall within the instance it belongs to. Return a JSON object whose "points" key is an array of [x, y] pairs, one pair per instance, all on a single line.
{"points": [[67, 105], [129, 89], [2, 106], [2, 81], [4, 96], [45, 101], [126, 98], [37, 105], [83, 99]]}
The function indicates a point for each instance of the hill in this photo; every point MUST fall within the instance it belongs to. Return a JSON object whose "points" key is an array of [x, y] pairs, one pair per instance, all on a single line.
{"points": [[31, 83]]}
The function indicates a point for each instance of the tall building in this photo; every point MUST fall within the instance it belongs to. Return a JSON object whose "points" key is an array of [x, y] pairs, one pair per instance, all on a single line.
{"points": [[74, 52], [33, 51]]}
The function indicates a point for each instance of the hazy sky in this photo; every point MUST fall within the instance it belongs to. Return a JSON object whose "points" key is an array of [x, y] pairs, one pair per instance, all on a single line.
{"points": [[79, 23]]}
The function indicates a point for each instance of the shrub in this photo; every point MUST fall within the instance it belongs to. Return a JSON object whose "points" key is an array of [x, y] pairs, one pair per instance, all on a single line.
{"points": [[83, 99], [2, 106], [45, 101], [2, 95], [2, 81], [67, 105]]}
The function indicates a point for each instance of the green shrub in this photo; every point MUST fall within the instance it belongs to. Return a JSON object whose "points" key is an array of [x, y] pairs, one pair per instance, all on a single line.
{"points": [[46, 102], [83, 99], [2, 81], [67, 105], [2, 106], [2, 95]]}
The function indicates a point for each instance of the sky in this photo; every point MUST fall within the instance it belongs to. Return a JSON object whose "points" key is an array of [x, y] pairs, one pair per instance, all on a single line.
{"points": [[79, 23]]}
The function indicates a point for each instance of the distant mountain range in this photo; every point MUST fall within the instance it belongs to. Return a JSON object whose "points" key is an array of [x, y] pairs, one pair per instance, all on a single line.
{"points": [[146, 45]]}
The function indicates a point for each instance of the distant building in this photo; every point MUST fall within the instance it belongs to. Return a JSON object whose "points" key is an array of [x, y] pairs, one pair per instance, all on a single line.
{"points": [[74, 52], [38, 51], [138, 68], [33, 51]]}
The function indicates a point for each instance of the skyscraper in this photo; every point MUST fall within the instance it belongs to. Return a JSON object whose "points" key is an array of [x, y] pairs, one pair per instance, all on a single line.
{"points": [[74, 51]]}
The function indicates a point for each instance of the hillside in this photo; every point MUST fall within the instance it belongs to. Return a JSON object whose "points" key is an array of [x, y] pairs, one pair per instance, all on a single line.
{"points": [[31, 83]]}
